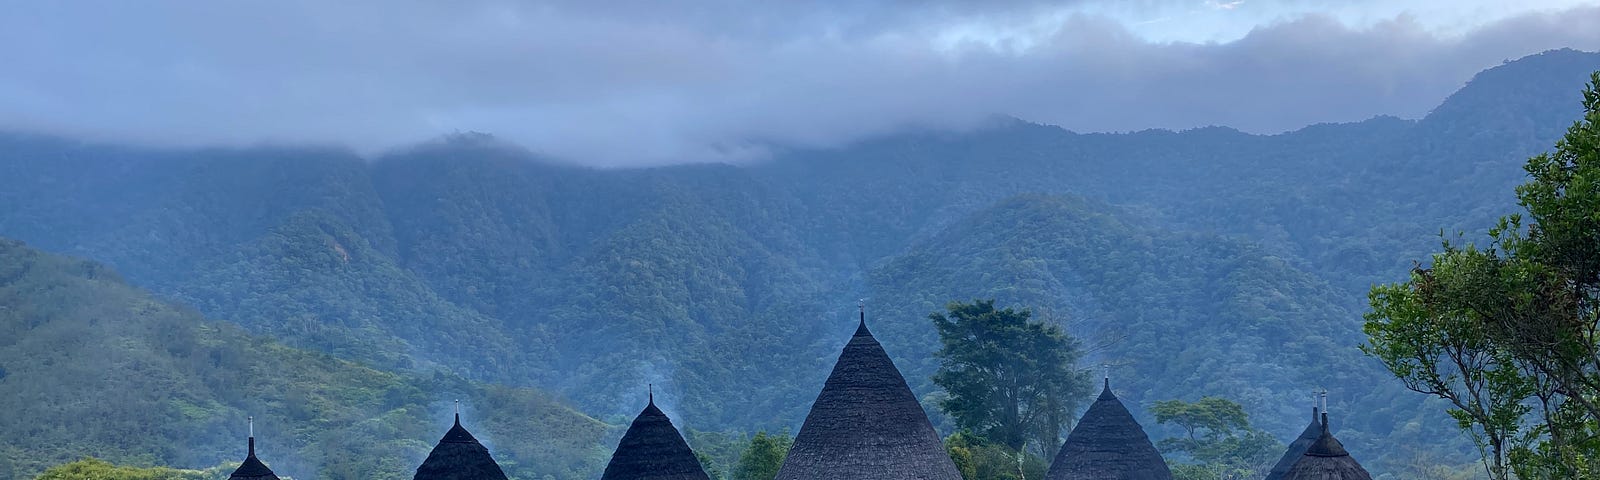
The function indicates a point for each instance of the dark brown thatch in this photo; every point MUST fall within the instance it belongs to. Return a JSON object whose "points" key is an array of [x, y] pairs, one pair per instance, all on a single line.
{"points": [[1108, 444], [866, 425], [459, 456], [653, 450], [1297, 448], [1326, 460], [252, 468]]}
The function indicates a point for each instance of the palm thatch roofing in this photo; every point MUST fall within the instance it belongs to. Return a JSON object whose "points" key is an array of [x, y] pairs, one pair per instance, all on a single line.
{"points": [[1326, 460], [866, 424], [459, 456], [252, 468], [1108, 444], [1297, 448], [653, 450]]}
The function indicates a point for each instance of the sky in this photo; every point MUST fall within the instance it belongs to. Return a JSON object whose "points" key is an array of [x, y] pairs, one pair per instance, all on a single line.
{"points": [[636, 82]]}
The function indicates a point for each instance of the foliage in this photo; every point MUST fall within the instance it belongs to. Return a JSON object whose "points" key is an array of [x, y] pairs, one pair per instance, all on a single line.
{"points": [[1510, 334], [979, 459], [1008, 379], [114, 373], [762, 459], [1218, 436], [95, 469]]}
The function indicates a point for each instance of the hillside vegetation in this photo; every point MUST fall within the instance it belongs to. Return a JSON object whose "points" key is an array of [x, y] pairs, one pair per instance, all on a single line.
{"points": [[90, 366], [1202, 262]]}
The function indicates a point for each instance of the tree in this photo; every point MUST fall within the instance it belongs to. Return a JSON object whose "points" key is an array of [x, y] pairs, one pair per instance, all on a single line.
{"points": [[1510, 333], [1007, 379], [1219, 436], [96, 469], [979, 459], [762, 459]]}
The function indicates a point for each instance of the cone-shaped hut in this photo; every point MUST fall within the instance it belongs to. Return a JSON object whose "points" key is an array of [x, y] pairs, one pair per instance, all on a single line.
{"points": [[252, 468], [1297, 448], [459, 456], [1108, 444], [653, 450], [1326, 460], [866, 424]]}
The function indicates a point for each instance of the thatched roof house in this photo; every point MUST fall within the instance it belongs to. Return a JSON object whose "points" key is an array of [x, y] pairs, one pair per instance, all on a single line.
{"points": [[1108, 444], [1326, 460], [252, 468], [1298, 447], [653, 450], [459, 456], [866, 424]]}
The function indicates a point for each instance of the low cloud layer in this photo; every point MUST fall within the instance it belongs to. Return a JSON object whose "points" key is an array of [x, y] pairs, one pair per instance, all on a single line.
{"points": [[643, 83]]}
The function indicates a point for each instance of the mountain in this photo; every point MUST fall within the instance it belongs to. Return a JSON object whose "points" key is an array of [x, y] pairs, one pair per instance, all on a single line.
{"points": [[90, 366], [731, 287]]}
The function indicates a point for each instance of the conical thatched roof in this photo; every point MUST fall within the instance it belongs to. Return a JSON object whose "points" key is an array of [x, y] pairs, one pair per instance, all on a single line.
{"points": [[459, 456], [653, 450], [1326, 460], [1108, 444], [252, 468], [1297, 448], [866, 425]]}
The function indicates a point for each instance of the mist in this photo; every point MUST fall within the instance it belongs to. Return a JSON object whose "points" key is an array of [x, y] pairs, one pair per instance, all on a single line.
{"points": [[642, 83]]}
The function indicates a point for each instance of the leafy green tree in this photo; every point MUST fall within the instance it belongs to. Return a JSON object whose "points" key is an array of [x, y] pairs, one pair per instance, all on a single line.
{"points": [[979, 459], [762, 459], [1219, 436], [1008, 379], [1510, 333], [96, 469]]}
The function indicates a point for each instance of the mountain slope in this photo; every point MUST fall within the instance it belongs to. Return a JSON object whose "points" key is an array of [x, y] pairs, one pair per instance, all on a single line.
{"points": [[729, 285], [1177, 315], [92, 366]]}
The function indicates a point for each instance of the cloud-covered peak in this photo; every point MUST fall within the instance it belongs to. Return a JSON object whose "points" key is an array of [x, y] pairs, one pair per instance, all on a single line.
{"points": [[635, 82]]}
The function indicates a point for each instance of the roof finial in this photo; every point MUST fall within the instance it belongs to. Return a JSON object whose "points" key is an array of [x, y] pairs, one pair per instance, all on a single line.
{"points": [[1316, 408], [252, 421], [1324, 394], [458, 412], [1107, 368], [861, 305], [650, 388]]}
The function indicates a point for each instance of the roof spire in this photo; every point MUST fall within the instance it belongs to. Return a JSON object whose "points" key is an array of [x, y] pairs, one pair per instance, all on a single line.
{"points": [[252, 421], [458, 411], [1315, 407], [1324, 394], [1107, 369], [861, 305], [861, 328], [650, 389]]}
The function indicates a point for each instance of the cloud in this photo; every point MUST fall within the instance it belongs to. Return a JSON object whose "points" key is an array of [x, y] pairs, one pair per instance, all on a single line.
{"points": [[640, 83]]}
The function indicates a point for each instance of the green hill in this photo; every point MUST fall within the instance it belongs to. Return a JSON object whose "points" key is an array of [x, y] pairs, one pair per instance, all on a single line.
{"points": [[90, 366], [1202, 261]]}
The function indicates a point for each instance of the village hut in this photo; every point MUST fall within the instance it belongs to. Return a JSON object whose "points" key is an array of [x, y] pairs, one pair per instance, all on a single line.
{"points": [[459, 456], [866, 424], [1108, 444], [1298, 447], [252, 468], [1326, 460], [652, 449]]}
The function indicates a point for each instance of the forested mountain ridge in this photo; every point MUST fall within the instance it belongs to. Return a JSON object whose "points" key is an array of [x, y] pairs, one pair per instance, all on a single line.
{"points": [[90, 366], [728, 285]]}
